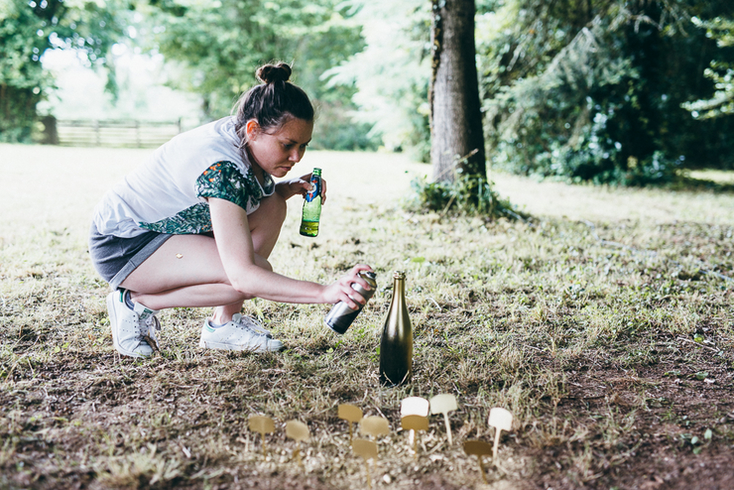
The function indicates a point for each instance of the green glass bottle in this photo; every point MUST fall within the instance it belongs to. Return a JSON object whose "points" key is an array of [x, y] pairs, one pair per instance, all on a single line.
{"points": [[311, 212], [396, 344]]}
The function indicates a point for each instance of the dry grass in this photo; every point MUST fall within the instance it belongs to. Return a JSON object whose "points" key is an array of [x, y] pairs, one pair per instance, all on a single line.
{"points": [[601, 325]]}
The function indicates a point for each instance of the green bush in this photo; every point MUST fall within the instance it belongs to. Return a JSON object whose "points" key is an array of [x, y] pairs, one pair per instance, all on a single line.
{"points": [[598, 98], [467, 195]]}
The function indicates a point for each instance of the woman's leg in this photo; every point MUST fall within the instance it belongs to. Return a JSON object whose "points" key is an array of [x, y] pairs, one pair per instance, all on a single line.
{"points": [[187, 271]]}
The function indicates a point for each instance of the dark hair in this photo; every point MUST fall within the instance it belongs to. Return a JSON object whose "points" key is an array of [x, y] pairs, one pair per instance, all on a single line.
{"points": [[272, 102]]}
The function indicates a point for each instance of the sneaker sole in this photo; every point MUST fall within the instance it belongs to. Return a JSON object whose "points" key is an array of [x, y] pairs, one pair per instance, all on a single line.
{"points": [[224, 346], [112, 311]]}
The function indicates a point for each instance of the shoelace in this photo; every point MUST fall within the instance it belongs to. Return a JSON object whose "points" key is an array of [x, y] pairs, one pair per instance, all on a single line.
{"points": [[249, 323], [152, 325]]}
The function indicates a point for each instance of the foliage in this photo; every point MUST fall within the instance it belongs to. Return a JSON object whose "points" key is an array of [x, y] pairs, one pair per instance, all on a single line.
{"points": [[222, 43], [720, 72], [391, 74], [463, 193], [591, 91], [21, 74], [582, 90], [468, 195], [27, 30]]}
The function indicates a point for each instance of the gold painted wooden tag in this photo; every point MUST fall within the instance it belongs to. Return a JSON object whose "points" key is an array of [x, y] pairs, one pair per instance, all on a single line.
{"points": [[374, 426]]}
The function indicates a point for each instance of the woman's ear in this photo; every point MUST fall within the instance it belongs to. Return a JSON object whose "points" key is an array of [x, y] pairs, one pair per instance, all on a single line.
{"points": [[252, 129]]}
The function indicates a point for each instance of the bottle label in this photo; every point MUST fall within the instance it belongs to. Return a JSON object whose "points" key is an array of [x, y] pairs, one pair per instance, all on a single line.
{"points": [[316, 191]]}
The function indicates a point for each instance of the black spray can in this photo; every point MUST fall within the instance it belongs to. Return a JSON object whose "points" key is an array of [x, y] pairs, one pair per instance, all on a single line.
{"points": [[340, 317]]}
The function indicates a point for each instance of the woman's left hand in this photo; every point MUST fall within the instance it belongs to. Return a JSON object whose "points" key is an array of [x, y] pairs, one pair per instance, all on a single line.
{"points": [[301, 185]]}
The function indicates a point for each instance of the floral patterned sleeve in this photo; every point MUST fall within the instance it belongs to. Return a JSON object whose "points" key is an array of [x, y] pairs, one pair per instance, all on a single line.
{"points": [[223, 180]]}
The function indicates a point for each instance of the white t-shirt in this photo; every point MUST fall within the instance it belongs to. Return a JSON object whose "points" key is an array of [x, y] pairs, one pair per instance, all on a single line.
{"points": [[167, 192]]}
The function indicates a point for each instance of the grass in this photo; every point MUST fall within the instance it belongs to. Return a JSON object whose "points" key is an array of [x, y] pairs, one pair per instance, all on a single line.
{"points": [[604, 325]]}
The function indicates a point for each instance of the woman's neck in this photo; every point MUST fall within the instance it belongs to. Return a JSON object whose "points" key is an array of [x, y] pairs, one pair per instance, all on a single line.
{"points": [[257, 171]]}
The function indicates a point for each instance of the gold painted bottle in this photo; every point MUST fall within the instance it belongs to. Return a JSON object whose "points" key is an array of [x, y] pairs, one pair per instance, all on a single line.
{"points": [[396, 344]]}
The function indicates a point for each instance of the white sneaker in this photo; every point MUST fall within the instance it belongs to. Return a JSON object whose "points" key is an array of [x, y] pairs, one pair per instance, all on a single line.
{"points": [[242, 333], [133, 331]]}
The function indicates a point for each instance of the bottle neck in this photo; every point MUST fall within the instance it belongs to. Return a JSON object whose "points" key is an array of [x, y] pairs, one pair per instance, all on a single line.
{"points": [[399, 287]]}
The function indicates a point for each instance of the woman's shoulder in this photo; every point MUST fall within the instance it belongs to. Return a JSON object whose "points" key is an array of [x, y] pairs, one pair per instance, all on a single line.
{"points": [[221, 131], [209, 143]]}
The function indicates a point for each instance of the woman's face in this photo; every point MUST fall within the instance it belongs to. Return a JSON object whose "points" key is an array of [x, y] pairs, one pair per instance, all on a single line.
{"points": [[276, 151]]}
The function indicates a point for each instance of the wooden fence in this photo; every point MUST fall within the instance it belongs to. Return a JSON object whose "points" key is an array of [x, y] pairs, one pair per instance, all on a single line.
{"points": [[119, 134]]}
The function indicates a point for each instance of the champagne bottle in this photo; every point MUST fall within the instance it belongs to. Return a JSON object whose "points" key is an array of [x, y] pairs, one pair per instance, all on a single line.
{"points": [[311, 212], [396, 345]]}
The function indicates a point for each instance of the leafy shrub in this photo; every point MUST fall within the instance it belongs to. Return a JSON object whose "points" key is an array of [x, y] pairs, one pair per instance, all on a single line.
{"points": [[597, 99], [597, 155], [467, 195]]}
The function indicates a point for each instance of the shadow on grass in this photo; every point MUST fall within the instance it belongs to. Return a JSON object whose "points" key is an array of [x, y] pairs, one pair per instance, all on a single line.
{"points": [[691, 184]]}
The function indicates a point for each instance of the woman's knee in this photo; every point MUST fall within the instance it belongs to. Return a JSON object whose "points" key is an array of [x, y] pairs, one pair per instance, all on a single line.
{"points": [[266, 223], [271, 213], [275, 208]]}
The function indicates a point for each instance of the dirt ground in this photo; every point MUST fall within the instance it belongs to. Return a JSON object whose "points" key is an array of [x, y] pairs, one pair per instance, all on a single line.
{"points": [[55, 409], [658, 452]]}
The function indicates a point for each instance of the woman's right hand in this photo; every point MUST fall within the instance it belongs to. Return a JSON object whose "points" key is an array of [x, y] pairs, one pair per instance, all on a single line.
{"points": [[342, 289]]}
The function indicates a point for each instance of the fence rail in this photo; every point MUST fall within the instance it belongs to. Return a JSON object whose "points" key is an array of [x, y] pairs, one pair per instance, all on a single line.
{"points": [[116, 133]]}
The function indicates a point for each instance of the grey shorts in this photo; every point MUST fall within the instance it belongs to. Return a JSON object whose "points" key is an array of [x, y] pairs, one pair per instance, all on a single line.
{"points": [[115, 258]]}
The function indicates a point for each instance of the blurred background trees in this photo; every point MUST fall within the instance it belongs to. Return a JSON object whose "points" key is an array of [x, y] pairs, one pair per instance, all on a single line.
{"points": [[608, 91], [591, 90], [221, 43], [720, 72], [28, 28]]}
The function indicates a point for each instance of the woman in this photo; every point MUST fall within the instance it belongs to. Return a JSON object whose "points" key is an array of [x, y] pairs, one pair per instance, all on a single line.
{"points": [[194, 225]]}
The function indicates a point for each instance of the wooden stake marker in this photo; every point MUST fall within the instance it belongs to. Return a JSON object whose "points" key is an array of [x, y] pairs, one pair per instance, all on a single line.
{"points": [[414, 405], [444, 404], [263, 425], [350, 413], [478, 449], [374, 426], [298, 431], [500, 419], [414, 423], [367, 450]]}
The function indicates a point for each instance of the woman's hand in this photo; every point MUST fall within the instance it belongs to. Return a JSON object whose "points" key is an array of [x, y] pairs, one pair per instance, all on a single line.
{"points": [[300, 185], [342, 289]]}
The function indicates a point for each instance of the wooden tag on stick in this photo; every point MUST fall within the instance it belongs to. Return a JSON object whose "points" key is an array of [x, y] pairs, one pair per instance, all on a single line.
{"points": [[367, 450], [298, 431], [444, 404], [414, 423], [261, 424], [500, 419], [350, 413], [478, 449]]}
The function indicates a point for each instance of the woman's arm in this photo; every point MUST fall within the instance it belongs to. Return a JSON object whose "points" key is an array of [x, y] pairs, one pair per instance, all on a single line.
{"points": [[236, 251]]}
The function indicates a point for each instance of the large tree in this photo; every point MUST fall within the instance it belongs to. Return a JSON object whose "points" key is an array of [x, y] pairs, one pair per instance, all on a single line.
{"points": [[457, 141]]}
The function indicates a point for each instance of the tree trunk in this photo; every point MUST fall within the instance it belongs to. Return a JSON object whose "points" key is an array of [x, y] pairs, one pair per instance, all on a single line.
{"points": [[457, 140]]}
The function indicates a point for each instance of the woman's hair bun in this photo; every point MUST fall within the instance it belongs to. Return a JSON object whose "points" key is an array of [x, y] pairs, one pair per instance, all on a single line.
{"points": [[274, 73]]}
